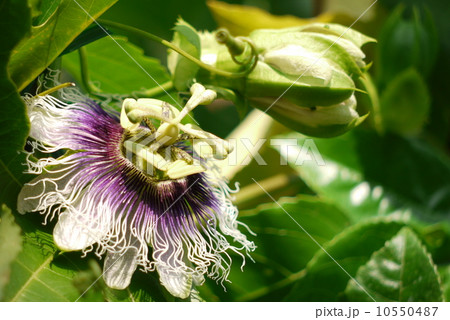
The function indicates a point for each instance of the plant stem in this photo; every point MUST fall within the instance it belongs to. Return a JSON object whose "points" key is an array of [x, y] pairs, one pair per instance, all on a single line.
{"points": [[84, 70], [171, 46], [156, 91]]}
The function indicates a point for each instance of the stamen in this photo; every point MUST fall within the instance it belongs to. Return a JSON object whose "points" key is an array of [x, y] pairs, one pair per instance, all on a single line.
{"points": [[200, 96], [59, 87]]}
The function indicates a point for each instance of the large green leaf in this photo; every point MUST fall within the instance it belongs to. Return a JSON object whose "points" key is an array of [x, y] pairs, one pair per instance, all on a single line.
{"points": [[283, 247], [328, 273], [14, 17], [400, 271], [42, 273], [52, 36], [10, 244], [368, 175], [38, 273], [113, 71]]}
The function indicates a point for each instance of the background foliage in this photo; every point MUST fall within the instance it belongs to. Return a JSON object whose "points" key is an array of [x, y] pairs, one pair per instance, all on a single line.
{"points": [[380, 207]]}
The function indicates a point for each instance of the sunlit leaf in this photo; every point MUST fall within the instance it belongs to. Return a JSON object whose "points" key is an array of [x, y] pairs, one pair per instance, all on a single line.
{"points": [[330, 269], [35, 274], [114, 72], [400, 271], [369, 175], [47, 40], [10, 244], [286, 241]]}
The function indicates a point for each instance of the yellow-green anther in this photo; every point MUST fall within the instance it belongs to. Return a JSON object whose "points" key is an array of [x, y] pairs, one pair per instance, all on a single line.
{"points": [[134, 111], [144, 155], [220, 148], [167, 134], [202, 148], [200, 96], [181, 168]]}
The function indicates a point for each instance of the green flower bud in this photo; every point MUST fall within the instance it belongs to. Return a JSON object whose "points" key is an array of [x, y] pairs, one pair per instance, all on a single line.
{"points": [[322, 122], [316, 63], [311, 68]]}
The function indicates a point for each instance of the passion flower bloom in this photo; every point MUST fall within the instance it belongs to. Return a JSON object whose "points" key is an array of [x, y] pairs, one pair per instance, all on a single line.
{"points": [[114, 192]]}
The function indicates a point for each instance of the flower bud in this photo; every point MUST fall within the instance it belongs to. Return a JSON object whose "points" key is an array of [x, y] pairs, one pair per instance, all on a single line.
{"points": [[322, 122], [312, 65], [309, 68]]}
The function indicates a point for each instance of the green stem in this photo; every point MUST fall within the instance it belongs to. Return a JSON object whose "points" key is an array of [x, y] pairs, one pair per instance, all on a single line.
{"points": [[156, 91], [169, 45], [84, 70]]}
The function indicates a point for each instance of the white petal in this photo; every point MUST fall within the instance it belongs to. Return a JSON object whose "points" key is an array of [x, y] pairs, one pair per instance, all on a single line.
{"points": [[119, 268], [30, 197], [71, 233], [168, 254], [48, 120], [178, 283]]}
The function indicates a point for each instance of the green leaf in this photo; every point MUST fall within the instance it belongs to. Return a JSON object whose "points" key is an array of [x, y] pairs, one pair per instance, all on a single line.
{"points": [[283, 248], [401, 271], [277, 229], [325, 280], [49, 39], [10, 244], [368, 175], [144, 287], [444, 272], [46, 9], [405, 103], [14, 17], [183, 70], [113, 71], [38, 273], [91, 34]]}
